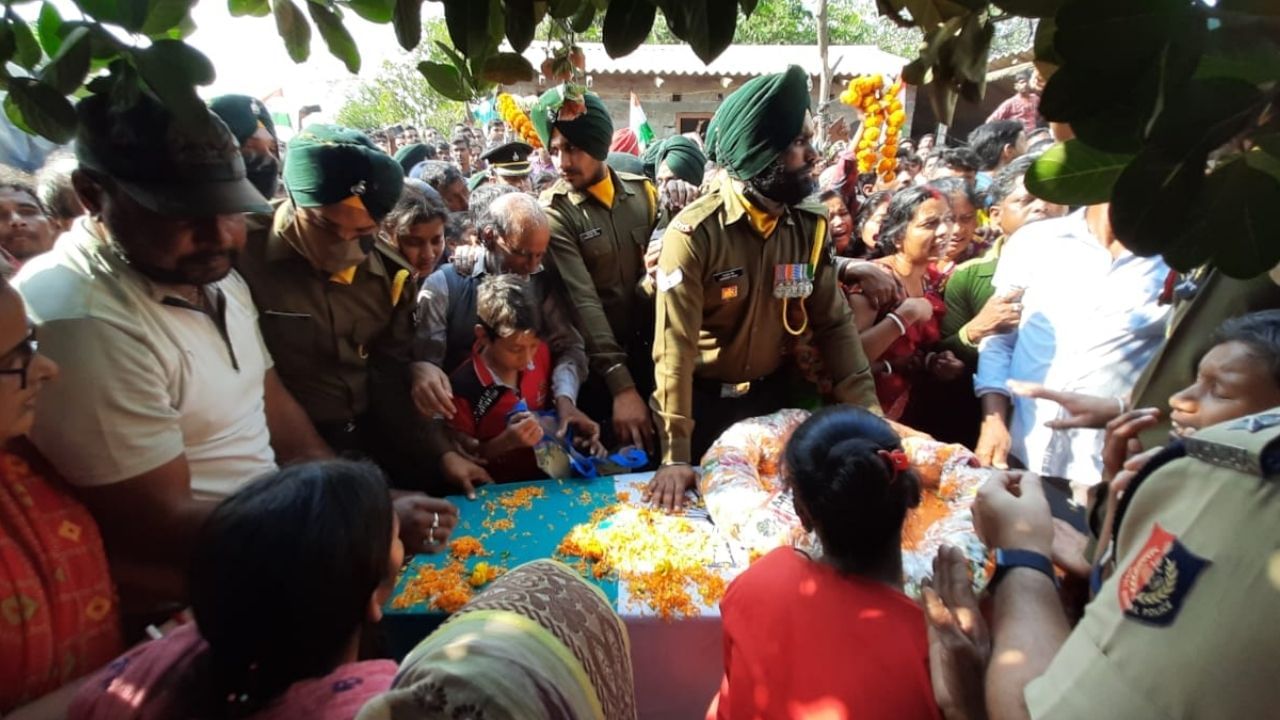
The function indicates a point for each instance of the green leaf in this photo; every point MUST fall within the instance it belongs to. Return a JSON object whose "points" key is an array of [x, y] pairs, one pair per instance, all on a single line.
{"points": [[582, 19], [173, 69], [377, 11], [1207, 114], [626, 25], [444, 79], [1029, 8], [1073, 173], [1118, 38], [521, 25], [561, 9], [1236, 220], [27, 49], [48, 25], [1265, 155], [508, 68], [39, 108], [67, 70], [1042, 43], [335, 35], [468, 23], [408, 23], [252, 8], [7, 43], [133, 14], [1153, 196], [293, 28], [708, 26], [748, 6], [164, 15], [1249, 56], [104, 10]]}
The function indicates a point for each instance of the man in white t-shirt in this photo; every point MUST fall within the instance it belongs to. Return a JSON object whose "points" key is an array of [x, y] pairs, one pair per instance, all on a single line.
{"points": [[167, 400]]}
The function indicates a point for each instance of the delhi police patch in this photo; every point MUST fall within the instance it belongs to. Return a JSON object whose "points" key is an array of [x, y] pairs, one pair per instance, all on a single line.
{"points": [[1155, 584]]}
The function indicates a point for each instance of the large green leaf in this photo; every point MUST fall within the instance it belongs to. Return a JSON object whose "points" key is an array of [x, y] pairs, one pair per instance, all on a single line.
{"points": [[335, 35], [444, 79], [508, 68], [468, 23], [133, 14], [1265, 155], [708, 26], [164, 15], [173, 69], [1236, 220], [7, 43], [408, 23], [293, 27], [1042, 43], [1153, 196], [748, 7], [521, 24], [377, 11], [41, 109], [626, 25], [581, 20], [254, 8], [48, 27], [563, 9], [1073, 173], [104, 10], [27, 48], [1207, 114], [1029, 8], [67, 70], [1245, 53], [1112, 37]]}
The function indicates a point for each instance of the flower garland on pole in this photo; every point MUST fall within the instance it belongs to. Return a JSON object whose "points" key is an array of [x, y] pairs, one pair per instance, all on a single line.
{"points": [[518, 120], [882, 119]]}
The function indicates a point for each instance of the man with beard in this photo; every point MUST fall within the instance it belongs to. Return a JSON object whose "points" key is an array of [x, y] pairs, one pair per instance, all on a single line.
{"points": [[167, 400], [601, 221], [742, 269], [336, 311], [251, 124]]}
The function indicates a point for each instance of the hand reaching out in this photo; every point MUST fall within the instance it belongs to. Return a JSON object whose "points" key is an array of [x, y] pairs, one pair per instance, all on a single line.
{"points": [[959, 643]]}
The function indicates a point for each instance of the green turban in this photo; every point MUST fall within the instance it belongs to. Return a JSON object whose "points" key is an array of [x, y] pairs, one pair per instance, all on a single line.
{"points": [[411, 155], [625, 162], [755, 124], [681, 154], [477, 179], [243, 115], [327, 164], [591, 130]]}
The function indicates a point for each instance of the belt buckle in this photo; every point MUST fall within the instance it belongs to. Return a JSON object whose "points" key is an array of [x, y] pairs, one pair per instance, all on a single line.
{"points": [[735, 390]]}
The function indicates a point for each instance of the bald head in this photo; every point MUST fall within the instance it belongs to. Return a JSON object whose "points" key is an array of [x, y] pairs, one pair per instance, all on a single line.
{"points": [[520, 232]]}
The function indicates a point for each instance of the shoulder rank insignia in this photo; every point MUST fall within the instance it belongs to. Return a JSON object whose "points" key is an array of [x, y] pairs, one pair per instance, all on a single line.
{"points": [[682, 227], [1257, 423], [1154, 586]]}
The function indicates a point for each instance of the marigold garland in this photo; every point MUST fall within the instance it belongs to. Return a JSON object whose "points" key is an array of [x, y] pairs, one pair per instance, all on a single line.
{"points": [[517, 120], [882, 121]]}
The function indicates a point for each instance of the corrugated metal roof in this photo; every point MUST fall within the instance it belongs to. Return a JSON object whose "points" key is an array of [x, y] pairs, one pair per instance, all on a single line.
{"points": [[736, 61]]}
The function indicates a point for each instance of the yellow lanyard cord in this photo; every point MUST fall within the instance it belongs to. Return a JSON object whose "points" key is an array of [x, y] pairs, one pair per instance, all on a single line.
{"points": [[814, 254]]}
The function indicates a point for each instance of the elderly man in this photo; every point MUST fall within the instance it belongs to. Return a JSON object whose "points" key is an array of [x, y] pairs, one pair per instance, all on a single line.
{"points": [[167, 399], [514, 232], [601, 221], [249, 121], [337, 317], [742, 270]]}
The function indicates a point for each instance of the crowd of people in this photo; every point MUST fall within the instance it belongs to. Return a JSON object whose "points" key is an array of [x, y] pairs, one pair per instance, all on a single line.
{"points": [[261, 367]]}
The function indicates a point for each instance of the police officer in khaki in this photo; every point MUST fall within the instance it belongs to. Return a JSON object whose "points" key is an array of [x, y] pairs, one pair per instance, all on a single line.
{"points": [[336, 306], [601, 222], [1187, 625], [743, 269]]}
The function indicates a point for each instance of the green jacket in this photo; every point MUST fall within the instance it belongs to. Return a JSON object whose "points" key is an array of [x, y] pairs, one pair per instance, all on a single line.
{"points": [[968, 289]]}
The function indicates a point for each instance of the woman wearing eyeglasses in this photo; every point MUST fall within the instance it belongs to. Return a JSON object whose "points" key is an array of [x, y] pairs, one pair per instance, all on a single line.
{"points": [[59, 617]]}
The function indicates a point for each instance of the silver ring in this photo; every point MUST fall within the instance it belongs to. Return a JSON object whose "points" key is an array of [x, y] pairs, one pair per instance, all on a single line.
{"points": [[435, 521], [431, 538]]}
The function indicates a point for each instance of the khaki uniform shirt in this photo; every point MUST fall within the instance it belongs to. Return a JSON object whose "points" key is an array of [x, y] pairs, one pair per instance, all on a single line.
{"points": [[597, 252], [718, 318], [323, 332], [1188, 625]]}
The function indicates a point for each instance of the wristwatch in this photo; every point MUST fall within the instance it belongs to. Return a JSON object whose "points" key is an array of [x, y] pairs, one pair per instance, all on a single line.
{"points": [[1006, 560]]}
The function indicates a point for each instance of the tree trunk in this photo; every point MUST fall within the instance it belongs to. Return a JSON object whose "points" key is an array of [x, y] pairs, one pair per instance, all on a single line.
{"points": [[824, 81]]}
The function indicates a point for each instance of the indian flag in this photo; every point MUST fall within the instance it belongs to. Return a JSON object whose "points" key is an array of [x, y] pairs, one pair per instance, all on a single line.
{"points": [[640, 124]]}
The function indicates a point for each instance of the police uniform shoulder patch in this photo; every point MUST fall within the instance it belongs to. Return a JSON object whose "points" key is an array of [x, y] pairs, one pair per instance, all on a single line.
{"points": [[1155, 585]]}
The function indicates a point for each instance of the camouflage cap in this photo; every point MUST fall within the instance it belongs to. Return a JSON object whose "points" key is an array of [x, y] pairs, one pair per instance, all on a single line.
{"points": [[183, 169]]}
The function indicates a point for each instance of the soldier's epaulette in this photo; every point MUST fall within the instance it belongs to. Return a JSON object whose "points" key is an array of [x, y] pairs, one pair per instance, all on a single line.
{"points": [[813, 208], [392, 258], [696, 213], [1250, 444], [561, 187]]}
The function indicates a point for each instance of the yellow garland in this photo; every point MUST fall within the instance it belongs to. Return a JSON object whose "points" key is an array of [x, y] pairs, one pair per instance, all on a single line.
{"points": [[517, 120], [882, 119]]}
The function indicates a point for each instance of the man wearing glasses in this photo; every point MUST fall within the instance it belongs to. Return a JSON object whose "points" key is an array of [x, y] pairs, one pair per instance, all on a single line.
{"points": [[167, 399], [515, 233]]}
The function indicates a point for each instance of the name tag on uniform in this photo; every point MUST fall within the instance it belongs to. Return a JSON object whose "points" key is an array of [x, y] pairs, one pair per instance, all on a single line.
{"points": [[591, 234], [727, 275], [792, 281]]}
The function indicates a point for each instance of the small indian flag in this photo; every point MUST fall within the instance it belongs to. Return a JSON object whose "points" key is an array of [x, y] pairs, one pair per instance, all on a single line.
{"points": [[640, 124]]}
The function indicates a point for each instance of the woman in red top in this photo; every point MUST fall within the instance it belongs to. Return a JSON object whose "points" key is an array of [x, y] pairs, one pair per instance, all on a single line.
{"points": [[832, 637], [899, 340], [59, 618]]}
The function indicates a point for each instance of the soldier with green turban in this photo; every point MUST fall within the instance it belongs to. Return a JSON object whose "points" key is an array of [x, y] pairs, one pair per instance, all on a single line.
{"points": [[678, 166], [412, 154], [336, 305], [251, 124], [601, 223], [745, 274]]}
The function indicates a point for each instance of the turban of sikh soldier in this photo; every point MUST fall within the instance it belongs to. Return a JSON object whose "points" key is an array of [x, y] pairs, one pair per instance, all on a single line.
{"points": [[587, 126], [328, 164], [682, 156], [758, 121]]}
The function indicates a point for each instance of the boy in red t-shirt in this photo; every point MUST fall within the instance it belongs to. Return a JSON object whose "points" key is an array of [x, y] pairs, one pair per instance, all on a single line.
{"points": [[500, 390]]}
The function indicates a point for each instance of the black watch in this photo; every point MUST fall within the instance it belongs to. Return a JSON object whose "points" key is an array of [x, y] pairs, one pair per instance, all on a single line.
{"points": [[1006, 560]]}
